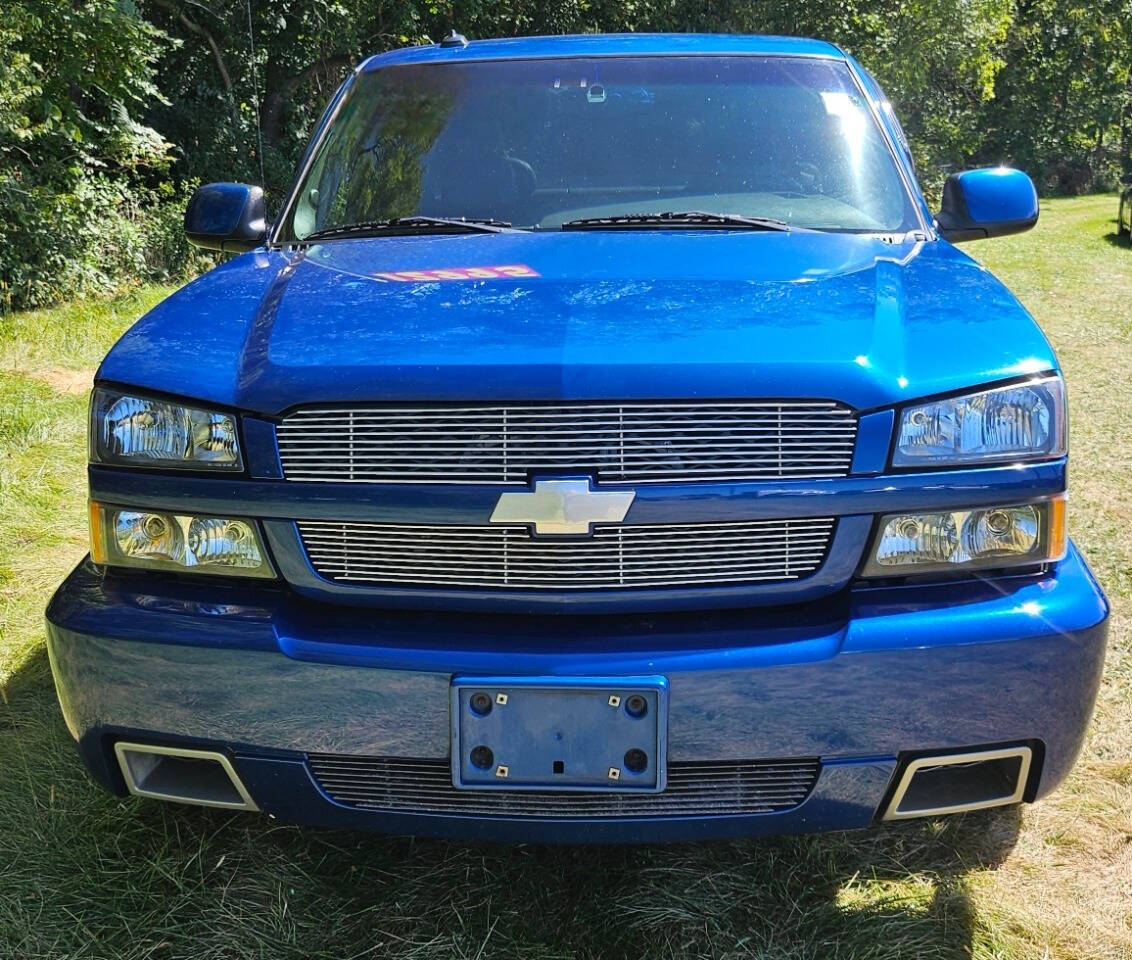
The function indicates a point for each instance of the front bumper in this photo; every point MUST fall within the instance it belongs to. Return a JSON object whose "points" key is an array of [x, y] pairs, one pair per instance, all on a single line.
{"points": [[856, 680]]}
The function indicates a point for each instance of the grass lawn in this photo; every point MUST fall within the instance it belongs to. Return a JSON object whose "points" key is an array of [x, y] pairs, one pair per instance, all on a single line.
{"points": [[83, 874]]}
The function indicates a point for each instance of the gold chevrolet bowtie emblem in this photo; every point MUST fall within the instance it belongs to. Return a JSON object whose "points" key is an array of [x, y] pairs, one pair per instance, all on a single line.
{"points": [[563, 506]]}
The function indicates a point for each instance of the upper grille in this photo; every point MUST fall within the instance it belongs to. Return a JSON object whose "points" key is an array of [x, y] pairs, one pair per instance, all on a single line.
{"points": [[629, 442], [616, 556], [694, 789]]}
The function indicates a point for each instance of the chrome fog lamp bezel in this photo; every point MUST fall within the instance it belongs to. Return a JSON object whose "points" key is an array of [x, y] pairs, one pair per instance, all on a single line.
{"points": [[1049, 389], [1050, 541], [105, 549], [104, 399]]}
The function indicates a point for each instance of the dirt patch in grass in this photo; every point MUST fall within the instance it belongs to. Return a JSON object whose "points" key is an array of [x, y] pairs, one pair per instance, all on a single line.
{"points": [[65, 380]]}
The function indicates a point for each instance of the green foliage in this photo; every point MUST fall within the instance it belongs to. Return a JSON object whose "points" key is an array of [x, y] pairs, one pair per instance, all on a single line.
{"points": [[110, 110], [81, 177], [1063, 105], [89, 239]]}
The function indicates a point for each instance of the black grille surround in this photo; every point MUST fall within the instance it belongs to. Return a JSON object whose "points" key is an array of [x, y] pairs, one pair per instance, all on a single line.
{"points": [[630, 442], [695, 789]]}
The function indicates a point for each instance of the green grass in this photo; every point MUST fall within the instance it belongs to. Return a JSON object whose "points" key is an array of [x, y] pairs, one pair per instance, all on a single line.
{"points": [[83, 874]]}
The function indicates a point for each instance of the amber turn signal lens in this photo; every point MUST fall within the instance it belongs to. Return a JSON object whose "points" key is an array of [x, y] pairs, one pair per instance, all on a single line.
{"points": [[1058, 529], [97, 533]]}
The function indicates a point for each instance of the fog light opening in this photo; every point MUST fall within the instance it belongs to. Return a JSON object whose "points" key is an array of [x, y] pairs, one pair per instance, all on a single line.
{"points": [[980, 538]]}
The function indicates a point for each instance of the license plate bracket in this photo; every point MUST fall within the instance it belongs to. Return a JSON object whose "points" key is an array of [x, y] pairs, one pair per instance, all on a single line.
{"points": [[594, 734]]}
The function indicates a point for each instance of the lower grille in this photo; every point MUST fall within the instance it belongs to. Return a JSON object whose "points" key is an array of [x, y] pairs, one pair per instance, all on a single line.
{"points": [[656, 555], [708, 788]]}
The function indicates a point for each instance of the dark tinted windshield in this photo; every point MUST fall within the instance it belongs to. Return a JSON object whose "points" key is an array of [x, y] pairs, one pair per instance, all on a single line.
{"points": [[542, 142]]}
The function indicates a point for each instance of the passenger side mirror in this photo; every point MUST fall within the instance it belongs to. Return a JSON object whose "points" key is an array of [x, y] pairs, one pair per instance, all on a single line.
{"points": [[991, 202], [230, 217]]}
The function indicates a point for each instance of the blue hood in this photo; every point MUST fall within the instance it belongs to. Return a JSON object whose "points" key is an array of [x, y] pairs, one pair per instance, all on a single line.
{"points": [[603, 315]]}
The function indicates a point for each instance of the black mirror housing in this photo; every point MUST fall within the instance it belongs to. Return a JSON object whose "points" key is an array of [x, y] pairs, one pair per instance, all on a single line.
{"points": [[991, 202], [230, 217]]}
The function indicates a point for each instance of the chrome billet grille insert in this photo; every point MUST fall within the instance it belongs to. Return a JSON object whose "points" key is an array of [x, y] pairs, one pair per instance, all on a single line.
{"points": [[654, 555], [718, 787], [618, 443]]}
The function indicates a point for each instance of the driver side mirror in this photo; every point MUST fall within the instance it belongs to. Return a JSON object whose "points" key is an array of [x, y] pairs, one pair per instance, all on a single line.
{"points": [[230, 217], [991, 202]]}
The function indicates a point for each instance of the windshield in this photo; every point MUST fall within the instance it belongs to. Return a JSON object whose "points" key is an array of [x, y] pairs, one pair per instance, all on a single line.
{"points": [[540, 143]]}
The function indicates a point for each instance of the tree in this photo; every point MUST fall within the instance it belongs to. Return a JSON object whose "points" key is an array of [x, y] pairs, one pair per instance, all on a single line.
{"points": [[111, 109], [1061, 109], [296, 55], [73, 151]]}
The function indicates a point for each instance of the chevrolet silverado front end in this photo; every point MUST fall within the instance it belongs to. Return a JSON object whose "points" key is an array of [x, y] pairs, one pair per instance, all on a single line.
{"points": [[605, 443]]}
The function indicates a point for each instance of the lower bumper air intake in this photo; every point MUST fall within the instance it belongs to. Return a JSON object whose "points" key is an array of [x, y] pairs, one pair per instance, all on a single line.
{"points": [[205, 778], [694, 789], [954, 783]]}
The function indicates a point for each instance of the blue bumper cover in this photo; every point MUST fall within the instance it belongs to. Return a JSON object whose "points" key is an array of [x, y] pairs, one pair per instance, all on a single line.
{"points": [[856, 679]]}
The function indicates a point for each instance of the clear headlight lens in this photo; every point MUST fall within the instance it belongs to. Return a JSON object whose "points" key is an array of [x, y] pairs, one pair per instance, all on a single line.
{"points": [[165, 541], [1021, 421], [130, 429], [965, 539]]}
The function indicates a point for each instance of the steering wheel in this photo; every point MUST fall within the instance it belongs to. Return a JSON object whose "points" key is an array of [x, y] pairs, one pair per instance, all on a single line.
{"points": [[523, 173], [808, 179]]}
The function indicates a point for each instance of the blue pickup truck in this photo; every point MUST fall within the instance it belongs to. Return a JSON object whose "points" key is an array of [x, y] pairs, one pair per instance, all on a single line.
{"points": [[605, 442]]}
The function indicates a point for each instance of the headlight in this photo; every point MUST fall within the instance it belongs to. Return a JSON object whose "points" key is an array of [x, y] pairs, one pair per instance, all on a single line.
{"points": [[163, 541], [1023, 421], [960, 540], [125, 428]]}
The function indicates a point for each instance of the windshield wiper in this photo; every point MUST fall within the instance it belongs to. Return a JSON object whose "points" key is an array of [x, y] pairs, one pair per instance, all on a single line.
{"points": [[678, 218], [412, 224]]}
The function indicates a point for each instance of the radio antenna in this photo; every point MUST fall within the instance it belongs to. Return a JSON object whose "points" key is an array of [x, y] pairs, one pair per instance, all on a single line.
{"points": [[255, 100]]}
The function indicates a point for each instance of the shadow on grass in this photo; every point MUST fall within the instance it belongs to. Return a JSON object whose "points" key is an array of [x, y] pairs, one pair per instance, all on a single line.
{"points": [[1116, 239], [144, 879]]}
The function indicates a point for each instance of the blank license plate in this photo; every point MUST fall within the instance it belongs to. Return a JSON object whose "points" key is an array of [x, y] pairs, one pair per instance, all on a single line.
{"points": [[559, 733]]}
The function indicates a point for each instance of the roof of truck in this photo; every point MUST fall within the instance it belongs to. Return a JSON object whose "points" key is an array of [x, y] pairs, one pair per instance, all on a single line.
{"points": [[605, 45]]}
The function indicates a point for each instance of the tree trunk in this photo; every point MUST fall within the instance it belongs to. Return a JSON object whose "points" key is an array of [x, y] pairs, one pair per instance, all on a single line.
{"points": [[279, 88], [217, 56], [1126, 129], [274, 98]]}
